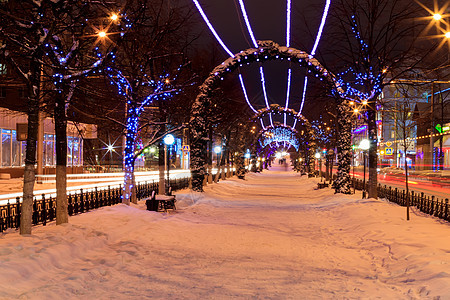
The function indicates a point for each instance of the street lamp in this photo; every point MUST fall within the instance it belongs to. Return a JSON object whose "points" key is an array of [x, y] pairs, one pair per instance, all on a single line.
{"points": [[169, 140], [317, 155], [437, 17], [217, 150], [364, 145], [247, 156]]}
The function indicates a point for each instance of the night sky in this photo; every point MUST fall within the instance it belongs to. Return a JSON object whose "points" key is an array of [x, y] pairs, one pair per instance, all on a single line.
{"points": [[268, 20]]}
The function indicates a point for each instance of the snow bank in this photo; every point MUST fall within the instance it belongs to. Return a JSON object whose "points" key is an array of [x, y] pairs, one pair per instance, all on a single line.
{"points": [[270, 236]]}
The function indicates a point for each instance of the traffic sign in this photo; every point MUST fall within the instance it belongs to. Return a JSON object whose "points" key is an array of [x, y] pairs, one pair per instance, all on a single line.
{"points": [[389, 151], [185, 148]]}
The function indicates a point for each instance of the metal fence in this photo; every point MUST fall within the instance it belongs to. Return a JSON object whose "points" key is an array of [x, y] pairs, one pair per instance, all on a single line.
{"points": [[427, 204], [44, 209]]}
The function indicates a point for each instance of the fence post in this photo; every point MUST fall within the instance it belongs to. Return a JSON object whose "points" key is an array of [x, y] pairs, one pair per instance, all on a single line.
{"points": [[446, 210], [81, 201], [432, 206], [44, 211], [70, 205], [96, 201], [422, 202]]}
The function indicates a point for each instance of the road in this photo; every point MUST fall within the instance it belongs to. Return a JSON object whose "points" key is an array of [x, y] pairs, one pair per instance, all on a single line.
{"points": [[437, 186]]}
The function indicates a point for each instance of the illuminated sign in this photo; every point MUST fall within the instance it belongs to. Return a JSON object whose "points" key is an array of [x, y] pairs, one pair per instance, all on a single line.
{"points": [[360, 129]]}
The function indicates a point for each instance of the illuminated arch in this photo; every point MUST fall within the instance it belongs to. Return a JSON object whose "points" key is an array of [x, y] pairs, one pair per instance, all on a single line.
{"points": [[267, 50], [278, 134], [276, 109]]}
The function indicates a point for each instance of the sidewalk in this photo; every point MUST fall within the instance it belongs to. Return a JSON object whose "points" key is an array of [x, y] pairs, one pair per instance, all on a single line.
{"points": [[270, 236]]}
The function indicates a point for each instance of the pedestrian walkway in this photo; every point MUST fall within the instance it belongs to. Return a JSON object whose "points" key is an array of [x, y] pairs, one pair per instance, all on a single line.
{"points": [[270, 236]]}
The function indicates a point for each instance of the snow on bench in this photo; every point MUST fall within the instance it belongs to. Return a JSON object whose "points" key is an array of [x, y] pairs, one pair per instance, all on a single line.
{"points": [[161, 202]]}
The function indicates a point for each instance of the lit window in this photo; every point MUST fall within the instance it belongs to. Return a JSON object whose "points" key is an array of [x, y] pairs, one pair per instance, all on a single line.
{"points": [[3, 70]]}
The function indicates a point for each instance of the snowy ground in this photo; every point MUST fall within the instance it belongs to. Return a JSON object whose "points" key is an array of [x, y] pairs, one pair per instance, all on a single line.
{"points": [[271, 236]]}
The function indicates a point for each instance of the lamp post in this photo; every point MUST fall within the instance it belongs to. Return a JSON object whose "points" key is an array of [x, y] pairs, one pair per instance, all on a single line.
{"points": [[168, 141], [317, 155], [364, 145], [330, 154], [217, 150]]}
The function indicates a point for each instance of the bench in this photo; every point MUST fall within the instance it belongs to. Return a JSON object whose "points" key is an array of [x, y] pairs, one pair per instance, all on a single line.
{"points": [[161, 202]]}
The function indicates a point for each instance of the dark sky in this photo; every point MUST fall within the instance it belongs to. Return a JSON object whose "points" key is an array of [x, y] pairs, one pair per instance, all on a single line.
{"points": [[268, 20]]}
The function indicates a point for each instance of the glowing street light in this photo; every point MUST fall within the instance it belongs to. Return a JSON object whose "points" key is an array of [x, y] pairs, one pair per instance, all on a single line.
{"points": [[447, 35], [217, 150], [364, 145], [437, 17], [318, 156], [114, 17], [102, 34], [168, 140]]}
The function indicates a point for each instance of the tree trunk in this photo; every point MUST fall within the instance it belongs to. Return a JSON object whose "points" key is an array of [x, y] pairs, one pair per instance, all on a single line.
{"points": [[240, 166], [132, 126], [210, 155], [373, 158], [198, 170], [198, 143], [344, 153], [30, 158], [406, 181], [161, 168], [62, 215]]}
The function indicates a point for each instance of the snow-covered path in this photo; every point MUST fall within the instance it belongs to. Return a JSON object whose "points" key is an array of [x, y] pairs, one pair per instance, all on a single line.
{"points": [[271, 236]]}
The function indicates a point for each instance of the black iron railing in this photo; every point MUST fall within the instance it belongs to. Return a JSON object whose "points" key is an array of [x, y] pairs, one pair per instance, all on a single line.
{"points": [[44, 208], [427, 204]]}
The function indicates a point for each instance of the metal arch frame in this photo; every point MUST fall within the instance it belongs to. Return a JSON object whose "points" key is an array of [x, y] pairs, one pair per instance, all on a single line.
{"points": [[277, 109], [267, 50]]}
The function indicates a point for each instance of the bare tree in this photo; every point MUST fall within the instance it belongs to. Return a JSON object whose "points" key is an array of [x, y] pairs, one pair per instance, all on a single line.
{"points": [[146, 70], [376, 41]]}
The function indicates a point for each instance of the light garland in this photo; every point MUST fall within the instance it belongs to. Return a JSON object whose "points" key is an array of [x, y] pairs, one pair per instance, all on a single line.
{"points": [[245, 93], [205, 18], [314, 49], [262, 124], [247, 23], [288, 24], [415, 138], [279, 134], [288, 44], [361, 78], [208, 23], [270, 118], [255, 44], [263, 82], [288, 92]]}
